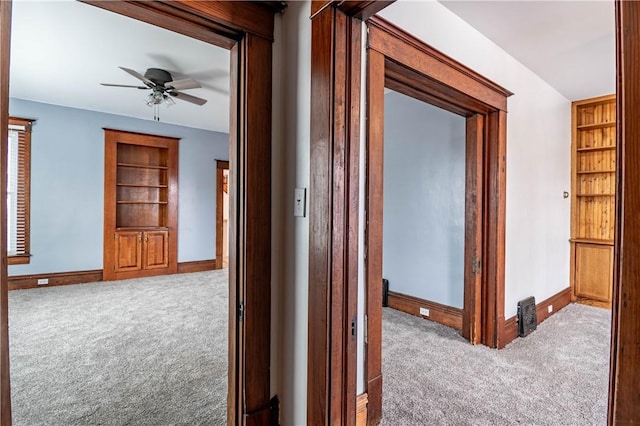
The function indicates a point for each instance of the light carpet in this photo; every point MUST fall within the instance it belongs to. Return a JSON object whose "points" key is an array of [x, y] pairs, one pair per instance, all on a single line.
{"points": [[556, 376], [149, 351]]}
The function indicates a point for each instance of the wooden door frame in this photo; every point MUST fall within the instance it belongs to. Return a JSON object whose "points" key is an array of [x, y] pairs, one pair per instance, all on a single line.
{"points": [[624, 398], [399, 61], [246, 28], [336, 29], [221, 166]]}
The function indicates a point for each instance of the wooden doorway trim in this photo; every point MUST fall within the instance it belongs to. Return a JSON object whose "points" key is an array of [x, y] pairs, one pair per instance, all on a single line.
{"points": [[221, 166], [624, 377], [402, 63], [5, 45], [246, 28], [333, 212]]}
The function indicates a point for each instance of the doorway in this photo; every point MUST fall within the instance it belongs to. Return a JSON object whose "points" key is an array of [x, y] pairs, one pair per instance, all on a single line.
{"points": [[403, 64], [245, 29], [424, 209], [222, 214]]}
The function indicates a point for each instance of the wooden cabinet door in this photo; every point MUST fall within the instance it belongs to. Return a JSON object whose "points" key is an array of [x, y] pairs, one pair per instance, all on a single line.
{"points": [[128, 251], [156, 249], [594, 271]]}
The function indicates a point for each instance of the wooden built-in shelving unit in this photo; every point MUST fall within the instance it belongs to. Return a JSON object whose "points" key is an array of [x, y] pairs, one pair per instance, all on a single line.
{"points": [[140, 204], [593, 200]]}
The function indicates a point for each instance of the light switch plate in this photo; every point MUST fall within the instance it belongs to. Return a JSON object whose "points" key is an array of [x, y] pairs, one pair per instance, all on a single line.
{"points": [[300, 202]]}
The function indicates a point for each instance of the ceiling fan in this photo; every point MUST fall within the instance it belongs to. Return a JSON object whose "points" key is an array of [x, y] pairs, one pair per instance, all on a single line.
{"points": [[163, 88]]}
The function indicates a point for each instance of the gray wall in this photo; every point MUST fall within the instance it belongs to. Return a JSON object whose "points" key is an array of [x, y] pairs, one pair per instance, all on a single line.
{"points": [[424, 190], [67, 185]]}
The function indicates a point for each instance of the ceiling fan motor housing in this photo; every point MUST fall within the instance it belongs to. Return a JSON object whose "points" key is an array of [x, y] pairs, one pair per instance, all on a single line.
{"points": [[158, 76]]}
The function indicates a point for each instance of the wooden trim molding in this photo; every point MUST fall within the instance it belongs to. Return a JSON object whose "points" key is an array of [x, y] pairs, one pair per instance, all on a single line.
{"points": [[363, 9], [250, 217], [406, 49], [558, 301], [473, 245], [442, 314], [333, 217], [495, 214], [222, 23], [360, 9], [373, 234], [21, 282], [197, 266], [624, 398], [5, 46], [361, 409]]}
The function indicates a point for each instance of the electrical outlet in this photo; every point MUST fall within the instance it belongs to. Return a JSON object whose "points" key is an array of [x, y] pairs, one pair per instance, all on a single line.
{"points": [[550, 308], [424, 312], [43, 281]]}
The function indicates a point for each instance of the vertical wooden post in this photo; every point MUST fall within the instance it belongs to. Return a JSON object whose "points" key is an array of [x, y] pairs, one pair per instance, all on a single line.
{"points": [[254, 166], [624, 397], [333, 215], [474, 157], [5, 43], [373, 236], [322, 28], [236, 135], [495, 214]]}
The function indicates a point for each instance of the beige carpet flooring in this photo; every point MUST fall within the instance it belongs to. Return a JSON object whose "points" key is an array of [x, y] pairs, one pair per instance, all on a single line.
{"points": [[556, 376], [149, 351], [154, 352]]}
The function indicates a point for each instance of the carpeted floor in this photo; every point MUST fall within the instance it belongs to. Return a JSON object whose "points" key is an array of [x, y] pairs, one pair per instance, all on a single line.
{"points": [[73, 347], [556, 376], [154, 352]]}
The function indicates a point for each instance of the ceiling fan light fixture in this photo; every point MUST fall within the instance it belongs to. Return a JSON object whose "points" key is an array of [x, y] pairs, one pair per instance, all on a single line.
{"points": [[154, 98], [168, 101]]}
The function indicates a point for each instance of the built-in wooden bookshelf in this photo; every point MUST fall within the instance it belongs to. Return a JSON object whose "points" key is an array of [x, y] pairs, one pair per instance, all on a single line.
{"points": [[140, 204], [593, 199]]}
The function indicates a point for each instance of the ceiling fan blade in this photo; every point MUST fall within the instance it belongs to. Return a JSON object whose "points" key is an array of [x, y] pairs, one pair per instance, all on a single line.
{"points": [[138, 76], [188, 98], [123, 85], [184, 84]]}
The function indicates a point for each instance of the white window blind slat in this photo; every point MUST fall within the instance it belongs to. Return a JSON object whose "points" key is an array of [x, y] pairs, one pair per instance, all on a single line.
{"points": [[12, 188]]}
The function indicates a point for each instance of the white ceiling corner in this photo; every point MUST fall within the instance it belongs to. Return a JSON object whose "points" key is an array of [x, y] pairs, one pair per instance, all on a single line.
{"points": [[569, 44], [62, 50]]}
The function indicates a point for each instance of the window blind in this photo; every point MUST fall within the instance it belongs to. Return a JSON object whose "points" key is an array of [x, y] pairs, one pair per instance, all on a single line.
{"points": [[18, 187]]}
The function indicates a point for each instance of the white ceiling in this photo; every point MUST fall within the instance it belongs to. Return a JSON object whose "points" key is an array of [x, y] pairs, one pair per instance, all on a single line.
{"points": [[62, 50], [569, 44]]}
